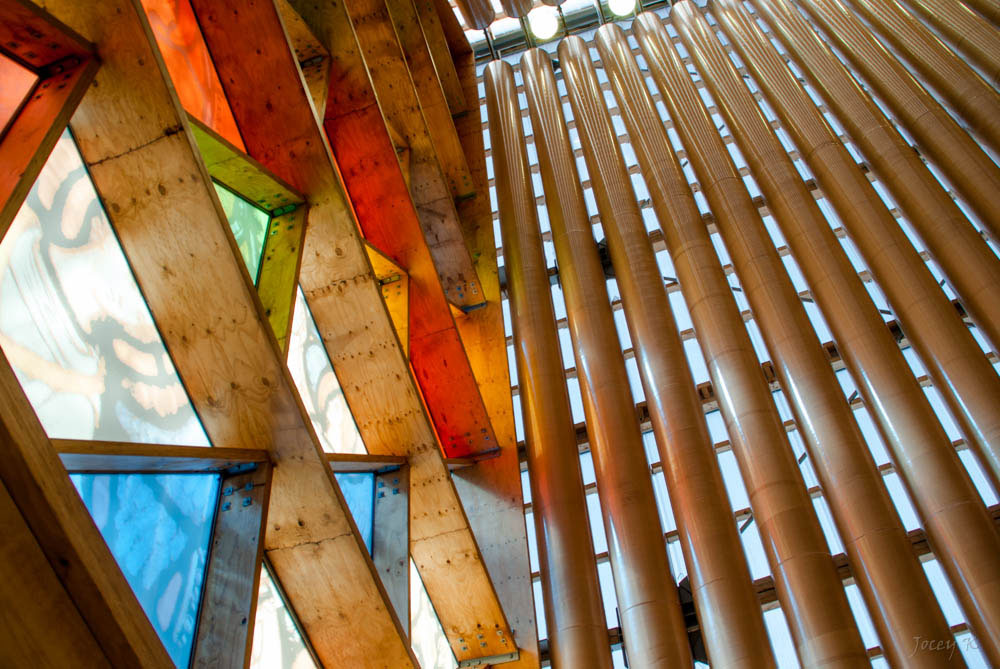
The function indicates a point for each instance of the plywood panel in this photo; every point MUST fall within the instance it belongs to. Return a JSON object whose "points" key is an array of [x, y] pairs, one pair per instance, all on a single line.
{"points": [[39, 625], [432, 186], [144, 162], [109, 456], [279, 271], [441, 55], [343, 296], [430, 95], [232, 576]]}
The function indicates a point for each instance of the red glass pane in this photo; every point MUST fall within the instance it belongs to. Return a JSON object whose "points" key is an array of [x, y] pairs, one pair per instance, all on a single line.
{"points": [[190, 66], [17, 83]]}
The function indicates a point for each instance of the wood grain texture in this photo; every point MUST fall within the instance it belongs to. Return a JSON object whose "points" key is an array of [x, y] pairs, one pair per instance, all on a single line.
{"points": [[232, 576], [31, 135], [430, 95], [432, 187], [71, 543], [441, 55], [278, 280], [39, 625], [36, 38], [343, 294], [109, 456], [144, 162], [395, 287], [233, 168], [352, 462]]}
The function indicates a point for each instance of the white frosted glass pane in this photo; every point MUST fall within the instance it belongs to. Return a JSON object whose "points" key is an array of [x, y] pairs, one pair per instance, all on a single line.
{"points": [[976, 474], [74, 325], [427, 638], [829, 529], [667, 522], [277, 642], [695, 361], [536, 587], [901, 500], [318, 385], [943, 592]]}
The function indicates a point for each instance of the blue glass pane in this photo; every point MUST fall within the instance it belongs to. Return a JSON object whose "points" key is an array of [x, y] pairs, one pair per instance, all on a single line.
{"points": [[277, 642], [318, 386], [158, 527], [359, 491], [74, 325], [249, 226]]}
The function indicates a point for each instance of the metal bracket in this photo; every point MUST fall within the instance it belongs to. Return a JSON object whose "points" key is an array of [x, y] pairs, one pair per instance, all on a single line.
{"points": [[492, 659]]}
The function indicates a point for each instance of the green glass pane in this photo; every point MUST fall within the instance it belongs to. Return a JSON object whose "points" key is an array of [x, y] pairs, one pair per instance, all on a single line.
{"points": [[249, 226]]}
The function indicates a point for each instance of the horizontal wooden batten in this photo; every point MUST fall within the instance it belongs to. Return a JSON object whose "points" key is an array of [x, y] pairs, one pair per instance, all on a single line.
{"points": [[110, 456], [278, 124], [352, 462]]}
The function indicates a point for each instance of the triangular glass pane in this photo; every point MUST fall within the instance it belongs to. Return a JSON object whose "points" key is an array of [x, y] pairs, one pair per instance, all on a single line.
{"points": [[74, 325], [359, 491], [277, 642], [158, 527], [249, 225], [318, 386], [427, 637]]}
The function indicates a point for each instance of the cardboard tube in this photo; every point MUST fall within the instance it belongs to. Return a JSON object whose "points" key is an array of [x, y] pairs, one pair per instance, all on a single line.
{"points": [[574, 615]]}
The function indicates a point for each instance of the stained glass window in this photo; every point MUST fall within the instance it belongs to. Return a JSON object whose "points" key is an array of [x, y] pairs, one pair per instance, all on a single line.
{"points": [[74, 325], [359, 491], [17, 83], [427, 638], [158, 527], [249, 226], [277, 642], [318, 386]]}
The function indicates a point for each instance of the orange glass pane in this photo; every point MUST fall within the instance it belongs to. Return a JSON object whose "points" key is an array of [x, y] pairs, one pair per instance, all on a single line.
{"points": [[190, 66], [17, 83]]}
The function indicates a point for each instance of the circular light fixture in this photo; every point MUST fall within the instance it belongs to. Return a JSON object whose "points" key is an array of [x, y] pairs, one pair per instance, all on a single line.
{"points": [[544, 21], [621, 7]]}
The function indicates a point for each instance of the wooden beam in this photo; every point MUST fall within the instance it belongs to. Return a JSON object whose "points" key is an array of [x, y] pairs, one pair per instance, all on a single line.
{"points": [[39, 624], [279, 267], [391, 538], [142, 157], [491, 490], [352, 462], [432, 189], [65, 65], [314, 59], [430, 95], [38, 484], [232, 576], [278, 127], [441, 55], [240, 173], [278, 280], [395, 286], [79, 455]]}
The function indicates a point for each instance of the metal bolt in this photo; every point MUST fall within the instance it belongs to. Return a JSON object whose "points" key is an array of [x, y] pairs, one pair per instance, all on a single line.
{"points": [[226, 506], [247, 501], [228, 490]]}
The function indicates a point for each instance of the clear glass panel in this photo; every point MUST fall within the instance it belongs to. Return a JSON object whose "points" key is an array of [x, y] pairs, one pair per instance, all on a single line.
{"points": [[427, 638], [277, 642], [318, 386], [74, 325], [158, 527], [358, 489], [249, 226]]}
